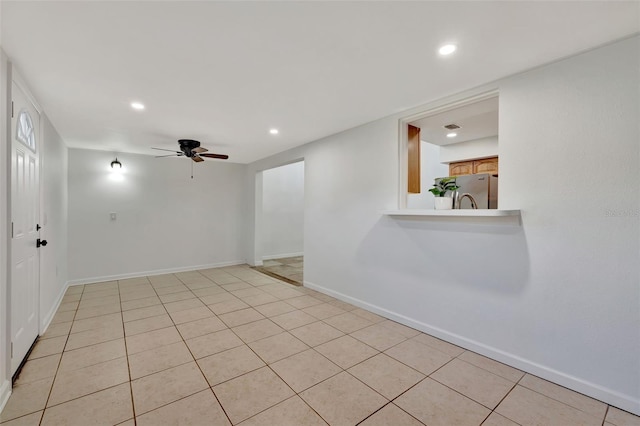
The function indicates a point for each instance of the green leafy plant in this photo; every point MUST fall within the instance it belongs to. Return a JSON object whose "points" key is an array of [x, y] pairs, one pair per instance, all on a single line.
{"points": [[444, 185]]}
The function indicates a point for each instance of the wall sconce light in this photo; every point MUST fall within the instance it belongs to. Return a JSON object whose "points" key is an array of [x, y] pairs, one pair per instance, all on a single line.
{"points": [[115, 164]]}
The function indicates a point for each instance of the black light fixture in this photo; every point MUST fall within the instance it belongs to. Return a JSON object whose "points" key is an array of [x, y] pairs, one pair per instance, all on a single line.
{"points": [[115, 164]]}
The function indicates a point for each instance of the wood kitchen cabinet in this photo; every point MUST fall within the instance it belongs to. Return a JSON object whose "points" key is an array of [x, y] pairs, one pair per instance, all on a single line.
{"points": [[485, 165], [461, 168]]}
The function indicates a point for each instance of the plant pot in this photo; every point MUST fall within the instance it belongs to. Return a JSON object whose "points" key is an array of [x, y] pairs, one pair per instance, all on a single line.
{"points": [[443, 203]]}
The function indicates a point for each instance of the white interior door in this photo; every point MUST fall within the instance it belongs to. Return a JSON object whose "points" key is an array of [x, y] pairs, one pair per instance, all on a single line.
{"points": [[25, 203]]}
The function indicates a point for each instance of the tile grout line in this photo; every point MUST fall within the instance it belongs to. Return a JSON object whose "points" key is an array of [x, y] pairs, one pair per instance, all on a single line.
{"points": [[392, 401], [266, 365], [125, 339], [58, 366], [315, 384], [126, 351], [195, 361], [505, 397], [606, 413], [389, 402], [468, 397], [426, 375], [294, 392], [562, 402], [491, 410], [57, 371], [55, 376], [90, 393]]}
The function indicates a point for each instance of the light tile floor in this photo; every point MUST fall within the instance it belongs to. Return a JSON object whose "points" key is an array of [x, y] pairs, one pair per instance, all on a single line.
{"points": [[232, 346]]}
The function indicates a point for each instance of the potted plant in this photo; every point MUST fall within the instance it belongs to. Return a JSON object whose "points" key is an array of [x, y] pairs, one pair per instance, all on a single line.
{"points": [[440, 189]]}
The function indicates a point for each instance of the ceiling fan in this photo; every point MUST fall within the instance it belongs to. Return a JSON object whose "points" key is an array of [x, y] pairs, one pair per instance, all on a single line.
{"points": [[191, 148]]}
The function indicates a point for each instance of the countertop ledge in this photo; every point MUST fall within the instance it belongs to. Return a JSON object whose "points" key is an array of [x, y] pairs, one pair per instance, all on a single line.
{"points": [[453, 213]]}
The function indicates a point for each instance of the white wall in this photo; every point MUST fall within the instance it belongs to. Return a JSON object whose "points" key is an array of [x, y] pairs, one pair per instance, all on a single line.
{"points": [[283, 211], [470, 150], [53, 214], [556, 295], [570, 158], [430, 169], [165, 220]]}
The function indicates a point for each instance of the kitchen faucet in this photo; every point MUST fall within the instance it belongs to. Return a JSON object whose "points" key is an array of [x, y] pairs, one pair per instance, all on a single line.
{"points": [[474, 205]]}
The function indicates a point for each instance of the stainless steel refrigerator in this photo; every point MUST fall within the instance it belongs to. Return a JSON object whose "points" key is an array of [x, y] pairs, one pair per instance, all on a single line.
{"points": [[482, 189]]}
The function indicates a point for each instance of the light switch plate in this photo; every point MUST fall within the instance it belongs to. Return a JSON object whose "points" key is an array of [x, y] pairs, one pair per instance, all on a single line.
{"points": [[112, 215]]}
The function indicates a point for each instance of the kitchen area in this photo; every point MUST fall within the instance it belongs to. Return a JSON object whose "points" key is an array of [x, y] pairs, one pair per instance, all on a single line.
{"points": [[458, 145]]}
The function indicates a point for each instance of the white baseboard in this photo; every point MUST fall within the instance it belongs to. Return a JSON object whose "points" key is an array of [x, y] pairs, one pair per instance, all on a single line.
{"points": [[89, 280], [46, 321], [5, 393], [280, 256], [609, 396]]}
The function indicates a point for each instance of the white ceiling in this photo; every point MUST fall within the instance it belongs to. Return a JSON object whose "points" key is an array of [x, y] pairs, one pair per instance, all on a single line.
{"points": [[477, 120], [226, 72]]}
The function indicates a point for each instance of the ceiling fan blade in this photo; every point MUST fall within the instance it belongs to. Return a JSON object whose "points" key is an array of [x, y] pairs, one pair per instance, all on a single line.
{"points": [[170, 150], [219, 156], [199, 150], [197, 159], [170, 155]]}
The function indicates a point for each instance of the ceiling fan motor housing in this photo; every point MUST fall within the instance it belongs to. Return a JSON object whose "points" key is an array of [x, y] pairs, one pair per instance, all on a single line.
{"points": [[187, 145]]}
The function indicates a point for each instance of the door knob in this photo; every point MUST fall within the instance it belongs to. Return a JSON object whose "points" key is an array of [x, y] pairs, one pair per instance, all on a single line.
{"points": [[41, 242]]}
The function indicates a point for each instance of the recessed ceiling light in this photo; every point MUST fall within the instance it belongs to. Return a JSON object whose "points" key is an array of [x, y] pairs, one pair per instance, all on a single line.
{"points": [[274, 131], [452, 135], [137, 106], [447, 49]]}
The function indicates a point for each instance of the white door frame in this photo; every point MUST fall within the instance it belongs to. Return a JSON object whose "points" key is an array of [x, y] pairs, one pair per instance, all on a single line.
{"points": [[5, 226]]}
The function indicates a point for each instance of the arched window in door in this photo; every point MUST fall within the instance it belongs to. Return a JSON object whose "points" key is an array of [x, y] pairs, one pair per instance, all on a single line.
{"points": [[26, 131]]}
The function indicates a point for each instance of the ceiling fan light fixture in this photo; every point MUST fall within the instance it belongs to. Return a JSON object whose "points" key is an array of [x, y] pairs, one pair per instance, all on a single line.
{"points": [[116, 165]]}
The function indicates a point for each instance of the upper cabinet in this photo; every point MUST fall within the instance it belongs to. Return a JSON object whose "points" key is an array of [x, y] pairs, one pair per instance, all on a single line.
{"points": [[485, 165], [461, 168]]}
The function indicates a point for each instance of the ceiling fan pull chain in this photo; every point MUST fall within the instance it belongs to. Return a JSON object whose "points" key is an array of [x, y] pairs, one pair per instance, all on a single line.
{"points": [[191, 169]]}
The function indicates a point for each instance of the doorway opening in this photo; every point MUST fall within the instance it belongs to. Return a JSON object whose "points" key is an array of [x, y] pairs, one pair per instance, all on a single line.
{"points": [[282, 223]]}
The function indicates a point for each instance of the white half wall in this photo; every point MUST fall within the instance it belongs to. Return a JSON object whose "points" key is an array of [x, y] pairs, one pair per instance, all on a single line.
{"points": [[556, 295], [165, 221], [283, 211]]}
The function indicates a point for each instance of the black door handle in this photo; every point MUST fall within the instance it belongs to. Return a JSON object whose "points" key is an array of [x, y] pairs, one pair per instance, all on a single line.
{"points": [[41, 243]]}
